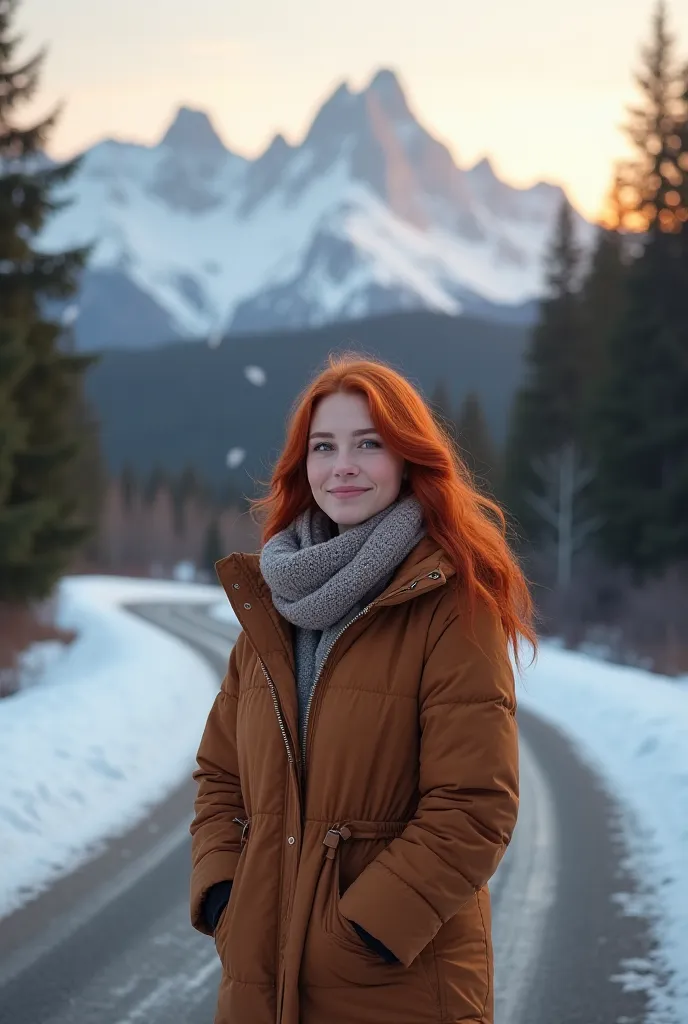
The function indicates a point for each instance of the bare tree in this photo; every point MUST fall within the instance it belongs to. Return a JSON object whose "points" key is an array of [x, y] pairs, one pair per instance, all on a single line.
{"points": [[564, 479]]}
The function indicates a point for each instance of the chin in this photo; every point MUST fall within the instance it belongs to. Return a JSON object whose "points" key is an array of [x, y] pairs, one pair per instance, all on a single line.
{"points": [[353, 516]]}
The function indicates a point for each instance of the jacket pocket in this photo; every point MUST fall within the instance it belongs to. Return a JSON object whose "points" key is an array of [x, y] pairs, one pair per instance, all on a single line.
{"points": [[222, 928], [336, 957]]}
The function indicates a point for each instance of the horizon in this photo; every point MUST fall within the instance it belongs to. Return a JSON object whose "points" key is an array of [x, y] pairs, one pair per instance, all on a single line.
{"points": [[548, 93]]}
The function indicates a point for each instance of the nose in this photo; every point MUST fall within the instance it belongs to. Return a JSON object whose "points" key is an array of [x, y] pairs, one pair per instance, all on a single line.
{"points": [[343, 465]]}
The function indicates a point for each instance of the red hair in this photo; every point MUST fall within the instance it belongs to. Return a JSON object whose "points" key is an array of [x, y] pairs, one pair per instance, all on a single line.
{"points": [[467, 525]]}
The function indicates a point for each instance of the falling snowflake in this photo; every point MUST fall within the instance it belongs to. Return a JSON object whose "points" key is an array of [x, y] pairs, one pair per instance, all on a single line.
{"points": [[235, 456], [255, 375], [215, 338], [70, 314]]}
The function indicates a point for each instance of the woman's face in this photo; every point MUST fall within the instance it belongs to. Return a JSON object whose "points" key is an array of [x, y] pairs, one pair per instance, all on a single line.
{"points": [[352, 473]]}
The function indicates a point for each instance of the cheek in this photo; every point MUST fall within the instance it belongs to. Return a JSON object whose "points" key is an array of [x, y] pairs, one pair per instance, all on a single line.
{"points": [[389, 472], [314, 472]]}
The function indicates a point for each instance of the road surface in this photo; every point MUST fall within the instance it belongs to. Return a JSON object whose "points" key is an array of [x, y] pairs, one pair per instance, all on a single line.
{"points": [[112, 943]]}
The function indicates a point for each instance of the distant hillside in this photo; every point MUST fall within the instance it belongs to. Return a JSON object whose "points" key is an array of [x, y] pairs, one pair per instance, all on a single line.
{"points": [[190, 404]]}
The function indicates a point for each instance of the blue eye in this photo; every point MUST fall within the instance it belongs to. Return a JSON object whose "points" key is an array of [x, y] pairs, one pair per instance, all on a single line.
{"points": [[367, 440]]}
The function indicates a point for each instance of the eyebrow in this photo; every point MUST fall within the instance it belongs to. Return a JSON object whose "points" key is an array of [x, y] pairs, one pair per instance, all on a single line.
{"points": [[355, 433]]}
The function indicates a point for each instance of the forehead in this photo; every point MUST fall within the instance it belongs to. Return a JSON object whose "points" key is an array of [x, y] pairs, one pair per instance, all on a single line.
{"points": [[342, 411]]}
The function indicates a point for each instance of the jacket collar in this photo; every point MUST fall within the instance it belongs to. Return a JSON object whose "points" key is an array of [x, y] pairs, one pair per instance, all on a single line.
{"points": [[424, 568], [270, 634]]}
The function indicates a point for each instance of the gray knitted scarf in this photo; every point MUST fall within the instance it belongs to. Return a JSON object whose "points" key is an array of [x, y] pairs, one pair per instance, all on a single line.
{"points": [[320, 582]]}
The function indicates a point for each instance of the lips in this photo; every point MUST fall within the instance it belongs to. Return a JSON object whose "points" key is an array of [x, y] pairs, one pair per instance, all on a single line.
{"points": [[348, 490]]}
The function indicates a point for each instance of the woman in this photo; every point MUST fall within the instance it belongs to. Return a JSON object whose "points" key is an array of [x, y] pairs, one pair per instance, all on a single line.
{"points": [[358, 774]]}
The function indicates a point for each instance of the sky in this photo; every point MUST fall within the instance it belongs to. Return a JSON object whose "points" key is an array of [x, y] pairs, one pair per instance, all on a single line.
{"points": [[538, 86]]}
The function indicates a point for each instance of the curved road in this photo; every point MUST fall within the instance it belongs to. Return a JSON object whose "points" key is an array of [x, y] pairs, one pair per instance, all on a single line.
{"points": [[112, 943]]}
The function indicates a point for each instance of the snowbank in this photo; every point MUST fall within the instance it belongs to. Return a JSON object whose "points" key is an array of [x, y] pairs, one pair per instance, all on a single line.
{"points": [[223, 612], [111, 728], [632, 728]]}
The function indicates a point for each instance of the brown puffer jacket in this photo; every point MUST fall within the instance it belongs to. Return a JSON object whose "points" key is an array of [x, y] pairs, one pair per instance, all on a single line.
{"points": [[395, 818]]}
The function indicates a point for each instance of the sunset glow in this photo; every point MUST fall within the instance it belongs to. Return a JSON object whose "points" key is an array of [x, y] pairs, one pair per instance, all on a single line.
{"points": [[540, 89]]}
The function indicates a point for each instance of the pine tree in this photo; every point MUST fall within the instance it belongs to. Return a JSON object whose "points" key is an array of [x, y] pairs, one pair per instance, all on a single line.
{"points": [[547, 411], [40, 499], [129, 485], [212, 546], [17, 523], [475, 442], [189, 492], [642, 422], [649, 181], [190, 485], [603, 298], [642, 428], [158, 480], [441, 406], [679, 145]]}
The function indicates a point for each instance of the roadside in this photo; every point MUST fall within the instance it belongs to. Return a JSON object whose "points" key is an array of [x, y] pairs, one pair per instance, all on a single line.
{"points": [[630, 728], [109, 732]]}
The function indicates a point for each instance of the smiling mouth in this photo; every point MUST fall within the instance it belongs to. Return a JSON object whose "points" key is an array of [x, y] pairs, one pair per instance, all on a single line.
{"points": [[349, 491]]}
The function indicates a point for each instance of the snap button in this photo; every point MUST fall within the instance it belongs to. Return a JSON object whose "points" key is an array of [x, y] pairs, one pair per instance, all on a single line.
{"points": [[247, 606], [291, 840], [235, 585], [434, 575]]}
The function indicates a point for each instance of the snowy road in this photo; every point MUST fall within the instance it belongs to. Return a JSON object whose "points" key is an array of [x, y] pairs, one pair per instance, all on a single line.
{"points": [[112, 944]]}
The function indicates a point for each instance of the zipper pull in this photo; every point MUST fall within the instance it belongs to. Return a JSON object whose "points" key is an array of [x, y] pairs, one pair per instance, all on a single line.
{"points": [[244, 822], [333, 839]]}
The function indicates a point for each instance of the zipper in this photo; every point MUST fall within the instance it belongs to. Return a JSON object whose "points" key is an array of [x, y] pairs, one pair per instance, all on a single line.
{"points": [[273, 690], [278, 712], [432, 575], [322, 666]]}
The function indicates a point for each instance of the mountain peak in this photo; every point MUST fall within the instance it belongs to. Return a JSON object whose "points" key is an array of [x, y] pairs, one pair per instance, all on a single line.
{"points": [[385, 85], [193, 130], [483, 169], [385, 80]]}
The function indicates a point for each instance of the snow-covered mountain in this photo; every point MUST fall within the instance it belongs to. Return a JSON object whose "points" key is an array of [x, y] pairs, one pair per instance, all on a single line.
{"points": [[368, 214]]}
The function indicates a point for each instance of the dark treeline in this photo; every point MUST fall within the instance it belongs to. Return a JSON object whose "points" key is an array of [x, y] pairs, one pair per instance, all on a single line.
{"points": [[468, 428], [46, 434], [164, 526], [49, 463], [596, 463]]}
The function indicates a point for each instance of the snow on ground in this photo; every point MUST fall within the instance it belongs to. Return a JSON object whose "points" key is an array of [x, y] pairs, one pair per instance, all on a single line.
{"points": [[111, 728], [223, 612], [632, 727], [114, 724]]}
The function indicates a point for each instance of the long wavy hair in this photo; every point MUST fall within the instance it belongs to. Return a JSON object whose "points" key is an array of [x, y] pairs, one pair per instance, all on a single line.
{"points": [[470, 527]]}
